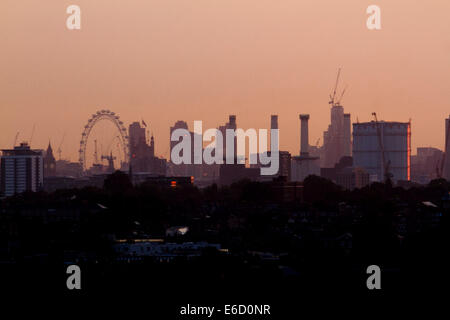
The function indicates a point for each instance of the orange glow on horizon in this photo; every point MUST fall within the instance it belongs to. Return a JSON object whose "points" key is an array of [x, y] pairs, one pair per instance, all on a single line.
{"points": [[164, 61]]}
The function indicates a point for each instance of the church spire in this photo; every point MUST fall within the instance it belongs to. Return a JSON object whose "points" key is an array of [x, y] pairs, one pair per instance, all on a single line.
{"points": [[49, 150]]}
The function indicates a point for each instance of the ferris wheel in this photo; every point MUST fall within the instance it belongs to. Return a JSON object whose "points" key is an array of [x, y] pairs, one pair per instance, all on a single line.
{"points": [[97, 117]]}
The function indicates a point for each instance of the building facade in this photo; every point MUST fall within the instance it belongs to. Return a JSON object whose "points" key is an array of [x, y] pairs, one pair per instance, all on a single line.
{"points": [[22, 170], [142, 154], [352, 178], [370, 139], [337, 139], [185, 169], [426, 165]]}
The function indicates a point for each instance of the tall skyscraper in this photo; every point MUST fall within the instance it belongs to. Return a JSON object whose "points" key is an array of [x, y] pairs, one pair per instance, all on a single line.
{"points": [[337, 139], [142, 154], [21, 170], [136, 135], [383, 147], [231, 124]]}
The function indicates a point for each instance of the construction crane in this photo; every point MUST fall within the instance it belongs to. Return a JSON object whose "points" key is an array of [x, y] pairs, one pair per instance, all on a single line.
{"points": [[333, 97], [110, 159], [60, 144], [15, 139], [32, 134], [386, 165], [440, 169], [340, 98]]}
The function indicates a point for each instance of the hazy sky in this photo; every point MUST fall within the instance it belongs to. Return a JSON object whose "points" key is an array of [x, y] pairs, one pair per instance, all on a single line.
{"points": [[168, 60]]}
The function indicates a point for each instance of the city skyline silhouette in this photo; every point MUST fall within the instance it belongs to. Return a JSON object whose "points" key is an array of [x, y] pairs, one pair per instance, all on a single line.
{"points": [[164, 62]]}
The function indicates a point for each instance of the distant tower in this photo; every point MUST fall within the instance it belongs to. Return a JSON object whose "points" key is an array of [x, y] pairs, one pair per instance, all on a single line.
{"points": [[136, 137], [337, 139], [49, 162], [182, 169], [231, 124], [179, 125], [274, 126], [274, 121], [304, 165], [142, 152], [304, 135]]}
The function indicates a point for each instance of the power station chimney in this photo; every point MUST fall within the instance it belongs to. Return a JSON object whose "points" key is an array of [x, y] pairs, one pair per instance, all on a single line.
{"points": [[232, 121], [304, 139], [273, 121], [273, 125]]}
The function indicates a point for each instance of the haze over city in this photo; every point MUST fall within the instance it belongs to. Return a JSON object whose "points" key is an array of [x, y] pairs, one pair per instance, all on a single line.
{"points": [[164, 61], [216, 158]]}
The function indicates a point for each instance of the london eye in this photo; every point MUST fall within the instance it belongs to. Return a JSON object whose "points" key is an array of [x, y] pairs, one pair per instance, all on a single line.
{"points": [[121, 135]]}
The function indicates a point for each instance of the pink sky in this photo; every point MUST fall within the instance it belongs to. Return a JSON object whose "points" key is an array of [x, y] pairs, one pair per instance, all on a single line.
{"points": [[169, 60]]}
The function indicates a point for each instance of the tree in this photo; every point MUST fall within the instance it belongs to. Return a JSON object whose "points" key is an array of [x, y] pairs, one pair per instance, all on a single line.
{"points": [[117, 182]]}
